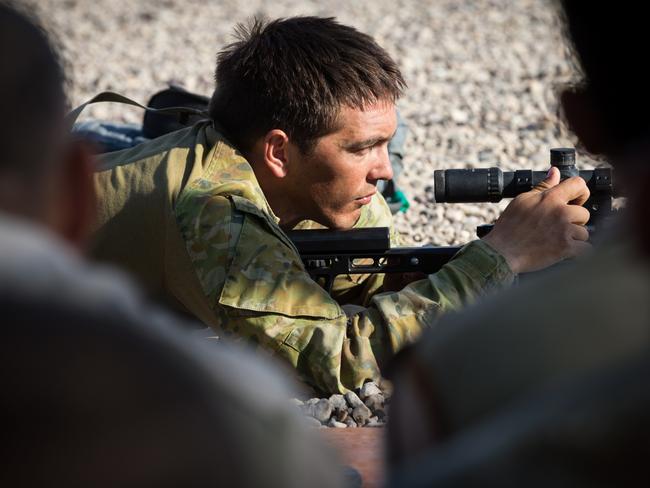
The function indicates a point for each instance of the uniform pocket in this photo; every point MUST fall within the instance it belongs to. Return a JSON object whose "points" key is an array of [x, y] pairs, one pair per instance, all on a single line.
{"points": [[266, 275]]}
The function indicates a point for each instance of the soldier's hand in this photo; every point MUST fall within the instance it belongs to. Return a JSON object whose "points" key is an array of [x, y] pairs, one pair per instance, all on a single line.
{"points": [[543, 226]]}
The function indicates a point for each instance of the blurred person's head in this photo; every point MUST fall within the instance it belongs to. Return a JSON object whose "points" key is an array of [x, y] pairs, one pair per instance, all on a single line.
{"points": [[87, 399], [43, 177], [609, 111], [311, 104]]}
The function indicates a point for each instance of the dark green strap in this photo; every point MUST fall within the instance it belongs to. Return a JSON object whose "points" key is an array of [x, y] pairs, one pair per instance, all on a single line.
{"points": [[109, 96]]}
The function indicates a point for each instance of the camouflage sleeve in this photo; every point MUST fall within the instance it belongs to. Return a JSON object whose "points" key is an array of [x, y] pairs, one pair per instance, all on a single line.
{"points": [[476, 270], [257, 285]]}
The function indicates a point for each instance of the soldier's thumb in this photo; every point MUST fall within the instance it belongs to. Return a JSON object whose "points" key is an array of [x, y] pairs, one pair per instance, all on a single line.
{"points": [[552, 179]]}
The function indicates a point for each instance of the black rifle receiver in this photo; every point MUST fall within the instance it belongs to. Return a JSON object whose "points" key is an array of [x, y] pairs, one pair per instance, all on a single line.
{"points": [[329, 253]]}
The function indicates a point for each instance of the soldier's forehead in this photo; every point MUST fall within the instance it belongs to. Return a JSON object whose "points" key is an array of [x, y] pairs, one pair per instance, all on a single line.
{"points": [[379, 118]]}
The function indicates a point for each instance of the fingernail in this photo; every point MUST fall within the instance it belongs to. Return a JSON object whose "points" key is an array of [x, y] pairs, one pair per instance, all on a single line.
{"points": [[550, 171]]}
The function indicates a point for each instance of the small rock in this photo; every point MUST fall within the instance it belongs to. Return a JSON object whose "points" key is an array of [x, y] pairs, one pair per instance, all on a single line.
{"points": [[459, 116], [312, 422], [361, 414], [336, 424], [338, 402], [342, 415], [307, 409], [375, 402], [322, 411], [369, 389], [374, 423], [485, 155], [350, 422], [353, 400]]}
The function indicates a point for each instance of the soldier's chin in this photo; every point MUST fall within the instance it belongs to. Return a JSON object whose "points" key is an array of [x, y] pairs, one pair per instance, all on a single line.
{"points": [[344, 221]]}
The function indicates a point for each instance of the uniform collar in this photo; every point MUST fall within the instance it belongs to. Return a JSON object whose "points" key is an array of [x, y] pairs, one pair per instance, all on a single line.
{"points": [[227, 167]]}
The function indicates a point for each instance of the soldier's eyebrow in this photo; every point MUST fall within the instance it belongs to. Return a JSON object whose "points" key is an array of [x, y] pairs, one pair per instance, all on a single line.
{"points": [[359, 145]]}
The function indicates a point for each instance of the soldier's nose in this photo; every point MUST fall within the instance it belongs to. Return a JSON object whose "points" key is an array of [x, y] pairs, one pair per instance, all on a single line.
{"points": [[382, 169]]}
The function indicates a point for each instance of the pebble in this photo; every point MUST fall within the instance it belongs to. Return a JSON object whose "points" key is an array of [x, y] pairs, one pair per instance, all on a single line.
{"points": [[338, 402], [312, 422], [369, 389], [375, 402], [322, 410], [361, 414], [342, 415], [350, 422], [353, 399], [335, 424], [375, 423], [307, 409]]}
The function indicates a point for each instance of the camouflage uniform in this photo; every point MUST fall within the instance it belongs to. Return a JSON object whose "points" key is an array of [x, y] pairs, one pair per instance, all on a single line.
{"points": [[238, 272]]}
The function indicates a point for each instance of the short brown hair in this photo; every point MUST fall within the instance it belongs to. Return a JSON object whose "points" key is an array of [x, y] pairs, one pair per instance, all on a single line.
{"points": [[295, 74]]}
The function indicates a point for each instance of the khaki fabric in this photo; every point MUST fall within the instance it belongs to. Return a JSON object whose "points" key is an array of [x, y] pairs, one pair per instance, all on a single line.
{"points": [[239, 273], [136, 192]]}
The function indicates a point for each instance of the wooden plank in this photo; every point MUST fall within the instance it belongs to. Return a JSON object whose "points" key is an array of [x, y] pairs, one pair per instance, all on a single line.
{"points": [[363, 449]]}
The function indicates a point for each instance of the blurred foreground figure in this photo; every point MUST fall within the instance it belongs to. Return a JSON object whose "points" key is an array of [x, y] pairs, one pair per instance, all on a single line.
{"points": [[97, 388], [547, 385]]}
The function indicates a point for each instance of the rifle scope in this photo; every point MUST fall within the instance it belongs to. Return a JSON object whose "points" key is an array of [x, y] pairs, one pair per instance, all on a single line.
{"points": [[492, 184]]}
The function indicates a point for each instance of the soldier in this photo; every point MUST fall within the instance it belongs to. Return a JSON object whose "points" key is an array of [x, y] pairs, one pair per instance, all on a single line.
{"points": [[300, 121], [98, 388], [556, 371]]}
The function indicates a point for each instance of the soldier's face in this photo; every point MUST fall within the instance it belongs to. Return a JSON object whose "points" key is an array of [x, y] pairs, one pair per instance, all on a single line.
{"points": [[340, 175]]}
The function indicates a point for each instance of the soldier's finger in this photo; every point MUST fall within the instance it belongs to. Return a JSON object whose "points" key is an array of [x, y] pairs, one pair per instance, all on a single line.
{"points": [[551, 180], [578, 248], [575, 214], [579, 233], [572, 190]]}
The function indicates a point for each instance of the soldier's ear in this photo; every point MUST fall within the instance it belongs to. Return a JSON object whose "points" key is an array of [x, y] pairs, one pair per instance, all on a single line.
{"points": [[276, 156], [585, 120]]}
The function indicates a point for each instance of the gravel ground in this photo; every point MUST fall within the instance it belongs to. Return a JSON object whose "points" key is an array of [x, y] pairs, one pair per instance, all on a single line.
{"points": [[482, 76], [368, 406]]}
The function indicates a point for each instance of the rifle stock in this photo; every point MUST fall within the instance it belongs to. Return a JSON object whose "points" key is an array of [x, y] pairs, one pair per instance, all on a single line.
{"points": [[327, 254]]}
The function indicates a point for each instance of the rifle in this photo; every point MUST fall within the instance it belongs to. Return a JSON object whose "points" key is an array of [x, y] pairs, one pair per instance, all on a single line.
{"points": [[327, 254]]}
